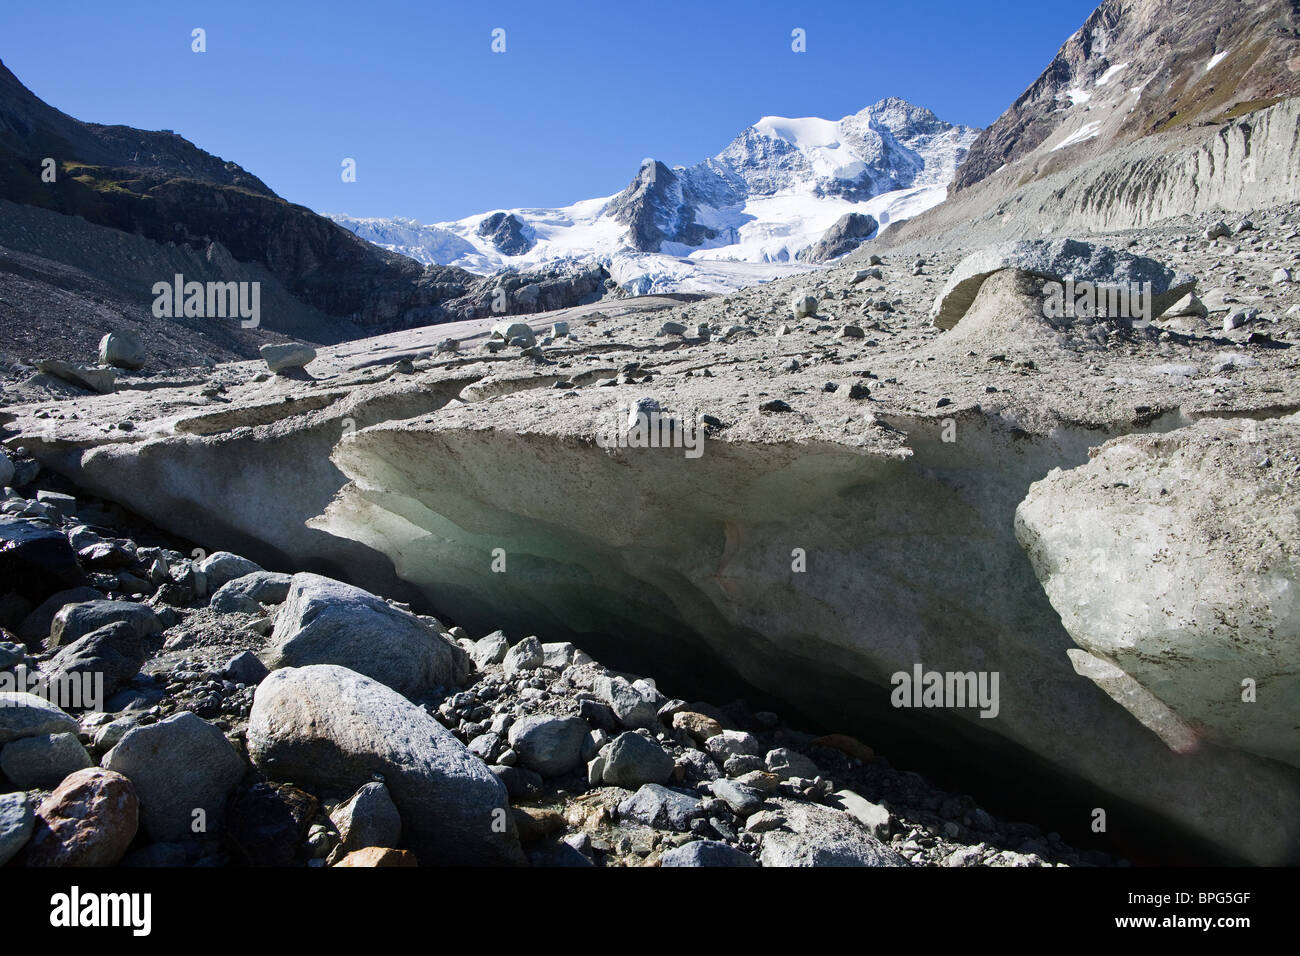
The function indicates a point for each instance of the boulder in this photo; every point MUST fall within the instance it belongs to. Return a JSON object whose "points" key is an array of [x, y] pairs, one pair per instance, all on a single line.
{"points": [[654, 805], [249, 592], [633, 706], [368, 818], [75, 621], [245, 668], [122, 350], [327, 727], [323, 621], [11, 654], [705, 853], [732, 743], [786, 763], [222, 566], [65, 506], [803, 303], [89, 820], [525, 655], [284, 357], [93, 379], [558, 655], [874, 817], [1188, 306], [491, 649], [1056, 259], [379, 856], [697, 726], [632, 759], [36, 561], [551, 746], [26, 715], [16, 822], [41, 761], [813, 835], [520, 782], [35, 627], [742, 799], [510, 330], [178, 766], [116, 651], [598, 715]]}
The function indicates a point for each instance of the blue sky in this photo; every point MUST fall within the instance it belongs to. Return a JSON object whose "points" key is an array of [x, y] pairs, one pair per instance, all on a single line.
{"points": [[441, 127]]}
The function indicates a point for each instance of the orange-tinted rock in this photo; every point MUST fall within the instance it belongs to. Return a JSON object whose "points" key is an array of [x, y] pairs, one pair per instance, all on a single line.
{"points": [[378, 856], [89, 820], [698, 726]]}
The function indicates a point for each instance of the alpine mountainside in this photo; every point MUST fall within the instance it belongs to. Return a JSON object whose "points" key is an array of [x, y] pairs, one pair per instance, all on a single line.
{"points": [[1152, 109], [101, 213], [1137, 68], [747, 214]]}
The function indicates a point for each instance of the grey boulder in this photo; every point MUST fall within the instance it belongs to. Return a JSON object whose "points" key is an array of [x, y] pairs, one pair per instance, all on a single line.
{"points": [[122, 350], [16, 822], [551, 746], [786, 763], [327, 727], [491, 649], [633, 759], [706, 853], [323, 621], [43, 761], [249, 592], [26, 715], [75, 621], [656, 806], [116, 652], [222, 566], [814, 835], [525, 655], [282, 357], [179, 766], [368, 818], [1057, 259], [634, 704]]}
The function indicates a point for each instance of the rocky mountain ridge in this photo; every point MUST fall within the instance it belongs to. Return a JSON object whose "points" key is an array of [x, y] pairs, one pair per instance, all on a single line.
{"points": [[1151, 110], [158, 187]]}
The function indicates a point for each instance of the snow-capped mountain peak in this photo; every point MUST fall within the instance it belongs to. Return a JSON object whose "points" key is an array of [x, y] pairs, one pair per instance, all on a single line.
{"points": [[741, 216]]}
